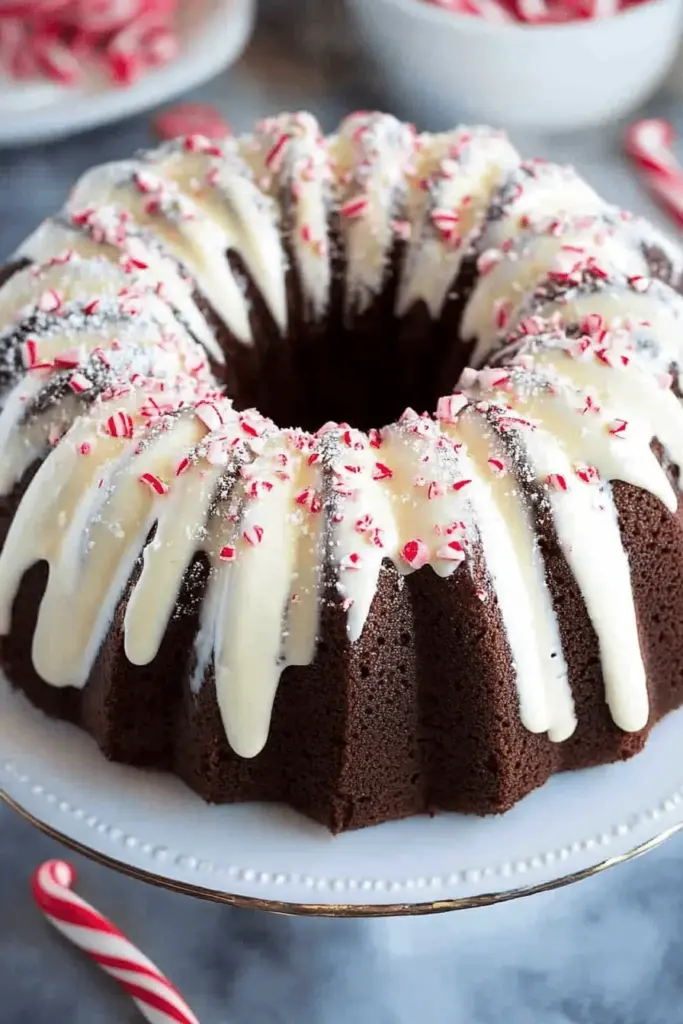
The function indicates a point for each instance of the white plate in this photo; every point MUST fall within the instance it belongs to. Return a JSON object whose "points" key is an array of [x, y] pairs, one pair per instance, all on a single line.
{"points": [[213, 34], [150, 825]]}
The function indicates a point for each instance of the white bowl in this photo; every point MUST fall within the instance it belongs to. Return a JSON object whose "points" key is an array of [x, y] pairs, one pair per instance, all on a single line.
{"points": [[441, 67]]}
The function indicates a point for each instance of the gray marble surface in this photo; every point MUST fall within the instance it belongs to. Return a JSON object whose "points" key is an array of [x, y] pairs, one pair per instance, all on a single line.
{"points": [[606, 951]]}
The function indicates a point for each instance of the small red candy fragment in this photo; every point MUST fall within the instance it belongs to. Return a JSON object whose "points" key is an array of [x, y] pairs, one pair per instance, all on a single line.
{"points": [[381, 472], [588, 474], [154, 483], [56, 59], [449, 406], [253, 535], [618, 428], [557, 482], [453, 551], [415, 553], [119, 424], [191, 119], [79, 383], [497, 467], [355, 207], [459, 484]]}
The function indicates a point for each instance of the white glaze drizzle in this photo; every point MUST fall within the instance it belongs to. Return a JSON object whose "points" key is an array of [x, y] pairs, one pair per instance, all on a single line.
{"points": [[290, 162], [454, 177], [370, 157]]}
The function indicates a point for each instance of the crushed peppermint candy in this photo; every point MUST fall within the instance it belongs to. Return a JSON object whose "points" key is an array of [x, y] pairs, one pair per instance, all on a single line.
{"points": [[354, 208], [69, 359], [415, 553], [155, 483], [588, 474], [60, 40], [79, 383], [446, 223], [497, 467], [211, 414], [50, 301], [557, 482], [489, 260], [435, 489], [381, 472], [449, 406], [31, 358], [119, 424], [200, 124], [618, 428], [453, 551], [253, 535], [309, 499]]}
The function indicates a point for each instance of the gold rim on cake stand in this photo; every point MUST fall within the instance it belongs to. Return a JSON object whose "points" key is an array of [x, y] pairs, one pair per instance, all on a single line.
{"points": [[335, 909]]}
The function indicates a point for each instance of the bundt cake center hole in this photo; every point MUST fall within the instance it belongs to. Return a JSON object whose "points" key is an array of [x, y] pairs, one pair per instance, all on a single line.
{"points": [[354, 376]]}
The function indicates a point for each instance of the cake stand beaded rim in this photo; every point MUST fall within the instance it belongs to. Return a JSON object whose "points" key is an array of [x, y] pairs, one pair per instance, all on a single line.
{"points": [[342, 910], [44, 805]]}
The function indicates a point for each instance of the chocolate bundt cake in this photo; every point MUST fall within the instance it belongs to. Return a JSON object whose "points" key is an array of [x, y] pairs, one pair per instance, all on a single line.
{"points": [[442, 561]]}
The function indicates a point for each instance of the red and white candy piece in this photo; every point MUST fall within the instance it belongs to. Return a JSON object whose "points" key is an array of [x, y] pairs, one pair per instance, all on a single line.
{"points": [[355, 207], [415, 553], [191, 120], [531, 10], [489, 10], [557, 482], [119, 424], [449, 406], [155, 483], [57, 38], [649, 143], [381, 472], [154, 995], [446, 223], [253, 535], [453, 551]]}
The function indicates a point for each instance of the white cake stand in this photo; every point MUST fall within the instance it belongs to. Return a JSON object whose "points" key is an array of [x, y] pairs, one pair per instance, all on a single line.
{"points": [[213, 34], [150, 826]]}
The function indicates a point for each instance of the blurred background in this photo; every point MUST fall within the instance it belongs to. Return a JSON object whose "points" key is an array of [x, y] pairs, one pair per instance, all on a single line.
{"points": [[606, 951], [565, 91]]}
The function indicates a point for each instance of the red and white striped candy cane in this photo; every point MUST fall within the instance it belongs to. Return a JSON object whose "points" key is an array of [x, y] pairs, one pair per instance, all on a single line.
{"points": [[649, 143], [158, 1001]]}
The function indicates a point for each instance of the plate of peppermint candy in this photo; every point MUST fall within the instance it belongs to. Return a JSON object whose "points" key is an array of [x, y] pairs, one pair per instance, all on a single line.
{"points": [[70, 65]]}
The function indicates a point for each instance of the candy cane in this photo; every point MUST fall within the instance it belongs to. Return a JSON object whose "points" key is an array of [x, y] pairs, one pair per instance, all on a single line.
{"points": [[649, 143], [158, 1001]]}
